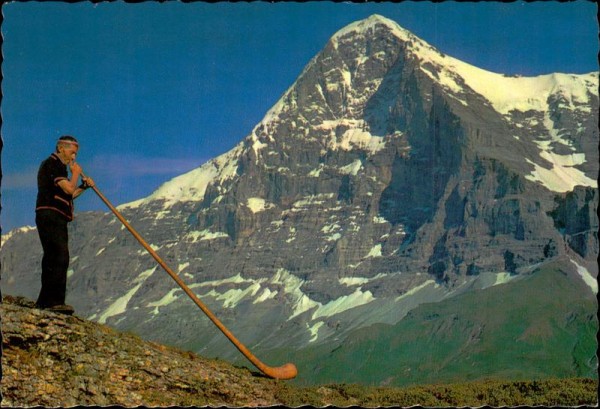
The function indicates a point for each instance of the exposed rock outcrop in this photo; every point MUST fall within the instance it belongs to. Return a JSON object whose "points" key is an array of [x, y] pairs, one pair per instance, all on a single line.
{"points": [[51, 359]]}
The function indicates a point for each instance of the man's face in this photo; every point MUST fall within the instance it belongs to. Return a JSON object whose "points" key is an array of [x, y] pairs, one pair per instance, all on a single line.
{"points": [[67, 152]]}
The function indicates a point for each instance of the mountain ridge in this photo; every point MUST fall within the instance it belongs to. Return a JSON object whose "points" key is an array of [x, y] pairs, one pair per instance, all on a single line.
{"points": [[528, 95]]}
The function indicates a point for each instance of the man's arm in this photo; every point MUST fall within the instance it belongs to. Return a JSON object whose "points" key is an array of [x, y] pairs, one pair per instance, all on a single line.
{"points": [[87, 182], [69, 186]]}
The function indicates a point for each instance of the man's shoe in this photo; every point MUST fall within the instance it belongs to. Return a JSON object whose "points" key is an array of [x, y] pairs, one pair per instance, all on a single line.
{"points": [[62, 309]]}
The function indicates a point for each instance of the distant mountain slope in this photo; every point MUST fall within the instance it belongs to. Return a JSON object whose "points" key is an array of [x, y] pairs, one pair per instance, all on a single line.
{"points": [[543, 325]]}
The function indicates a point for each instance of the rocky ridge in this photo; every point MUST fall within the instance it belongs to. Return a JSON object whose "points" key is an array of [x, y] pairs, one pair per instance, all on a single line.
{"points": [[51, 359]]}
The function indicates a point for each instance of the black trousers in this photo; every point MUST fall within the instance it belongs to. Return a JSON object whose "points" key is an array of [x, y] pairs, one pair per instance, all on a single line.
{"points": [[54, 235]]}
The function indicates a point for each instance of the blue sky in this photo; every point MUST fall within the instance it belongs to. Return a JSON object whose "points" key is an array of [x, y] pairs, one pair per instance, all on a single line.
{"points": [[153, 90]]}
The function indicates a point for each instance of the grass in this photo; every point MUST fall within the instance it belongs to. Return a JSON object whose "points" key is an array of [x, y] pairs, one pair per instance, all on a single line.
{"points": [[539, 327], [553, 392]]}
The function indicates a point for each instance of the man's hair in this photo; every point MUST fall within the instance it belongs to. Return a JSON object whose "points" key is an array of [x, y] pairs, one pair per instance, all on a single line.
{"points": [[66, 139]]}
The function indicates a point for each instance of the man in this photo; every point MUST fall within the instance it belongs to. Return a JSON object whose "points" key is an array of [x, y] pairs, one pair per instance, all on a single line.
{"points": [[54, 209]]}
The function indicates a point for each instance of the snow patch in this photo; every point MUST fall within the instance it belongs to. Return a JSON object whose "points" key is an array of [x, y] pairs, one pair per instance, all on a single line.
{"points": [[503, 278], [587, 278], [195, 235], [119, 306], [355, 136], [257, 204], [315, 173], [375, 251], [354, 281], [414, 290], [559, 178], [267, 294], [343, 303], [334, 237], [330, 228], [352, 169], [292, 235], [166, 300], [144, 275], [277, 225], [236, 279], [314, 330], [562, 176], [232, 297], [257, 145], [14, 232], [291, 286], [301, 303], [312, 200], [379, 220]]}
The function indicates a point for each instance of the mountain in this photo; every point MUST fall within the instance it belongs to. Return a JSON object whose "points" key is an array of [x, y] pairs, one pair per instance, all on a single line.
{"points": [[388, 176], [54, 360]]}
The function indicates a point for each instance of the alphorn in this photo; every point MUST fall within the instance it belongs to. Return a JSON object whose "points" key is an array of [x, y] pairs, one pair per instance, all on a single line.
{"points": [[286, 371]]}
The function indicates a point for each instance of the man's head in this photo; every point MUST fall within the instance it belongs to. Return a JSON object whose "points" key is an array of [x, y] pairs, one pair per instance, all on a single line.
{"points": [[66, 148]]}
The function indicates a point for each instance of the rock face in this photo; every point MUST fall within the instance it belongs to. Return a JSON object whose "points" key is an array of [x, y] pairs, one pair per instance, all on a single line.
{"points": [[388, 175]]}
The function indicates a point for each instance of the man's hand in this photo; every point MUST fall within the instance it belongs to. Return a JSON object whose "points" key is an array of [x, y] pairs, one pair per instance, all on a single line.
{"points": [[88, 182], [75, 169]]}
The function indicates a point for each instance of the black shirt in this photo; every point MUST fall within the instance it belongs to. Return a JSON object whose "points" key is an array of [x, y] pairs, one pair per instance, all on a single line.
{"points": [[50, 195]]}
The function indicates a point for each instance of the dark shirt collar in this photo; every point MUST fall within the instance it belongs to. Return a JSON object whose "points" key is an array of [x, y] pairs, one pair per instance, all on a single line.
{"points": [[55, 156]]}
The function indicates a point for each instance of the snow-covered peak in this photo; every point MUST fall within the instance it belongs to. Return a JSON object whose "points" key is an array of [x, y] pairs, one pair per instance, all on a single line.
{"points": [[14, 232], [362, 26], [503, 92], [192, 185]]}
